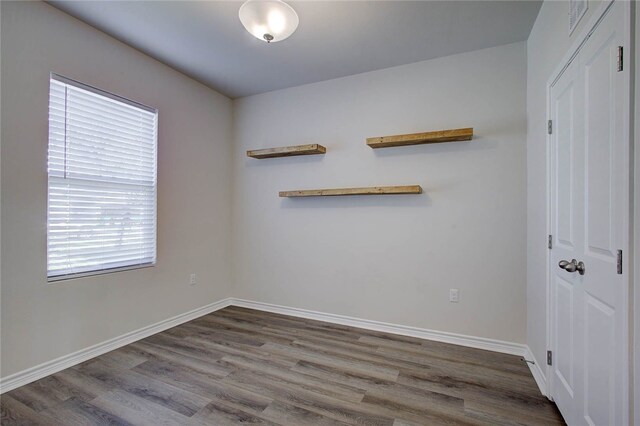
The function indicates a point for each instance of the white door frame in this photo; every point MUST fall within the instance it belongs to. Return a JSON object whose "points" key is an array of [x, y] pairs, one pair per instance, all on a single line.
{"points": [[636, 247], [581, 38]]}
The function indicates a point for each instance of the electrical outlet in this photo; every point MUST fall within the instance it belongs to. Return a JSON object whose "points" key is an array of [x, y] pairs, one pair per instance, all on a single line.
{"points": [[192, 279], [454, 295]]}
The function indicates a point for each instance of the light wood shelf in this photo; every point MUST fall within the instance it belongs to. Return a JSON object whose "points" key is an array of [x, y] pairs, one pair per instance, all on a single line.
{"points": [[421, 138], [287, 151], [372, 190]]}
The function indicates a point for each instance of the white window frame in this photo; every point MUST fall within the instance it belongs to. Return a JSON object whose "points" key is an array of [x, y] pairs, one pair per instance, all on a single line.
{"points": [[101, 271]]}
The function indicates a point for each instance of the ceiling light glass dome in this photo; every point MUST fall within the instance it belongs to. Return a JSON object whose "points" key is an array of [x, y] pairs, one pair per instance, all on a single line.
{"points": [[268, 20]]}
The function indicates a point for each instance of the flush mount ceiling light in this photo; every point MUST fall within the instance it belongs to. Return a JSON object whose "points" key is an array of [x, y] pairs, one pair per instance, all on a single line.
{"points": [[268, 20]]}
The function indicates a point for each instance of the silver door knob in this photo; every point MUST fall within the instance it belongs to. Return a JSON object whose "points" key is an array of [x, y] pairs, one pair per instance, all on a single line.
{"points": [[572, 266]]}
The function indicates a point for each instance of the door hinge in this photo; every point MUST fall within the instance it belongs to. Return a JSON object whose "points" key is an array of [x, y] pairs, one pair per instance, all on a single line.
{"points": [[549, 127], [550, 242], [620, 60], [619, 262], [549, 358]]}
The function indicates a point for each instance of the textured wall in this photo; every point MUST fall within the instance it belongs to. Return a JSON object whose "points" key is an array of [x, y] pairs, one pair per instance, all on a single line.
{"points": [[391, 258]]}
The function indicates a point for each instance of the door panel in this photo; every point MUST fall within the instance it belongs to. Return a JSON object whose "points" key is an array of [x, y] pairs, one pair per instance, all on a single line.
{"points": [[565, 338], [599, 151], [567, 196], [564, 180], [599, 359], [605, 292]]}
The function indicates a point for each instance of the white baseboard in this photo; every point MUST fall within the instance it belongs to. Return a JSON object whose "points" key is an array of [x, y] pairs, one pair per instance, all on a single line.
{"points": [[50, 367], [538, 372], [404, 330]]}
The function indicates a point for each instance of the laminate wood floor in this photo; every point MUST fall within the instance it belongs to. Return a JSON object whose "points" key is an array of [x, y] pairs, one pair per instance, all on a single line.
{"points": [[239, 366]]}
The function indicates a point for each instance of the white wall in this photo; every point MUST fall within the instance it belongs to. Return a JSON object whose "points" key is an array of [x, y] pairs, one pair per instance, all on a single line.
{"points": [[548, 42], [42, 321], [391, 258]]}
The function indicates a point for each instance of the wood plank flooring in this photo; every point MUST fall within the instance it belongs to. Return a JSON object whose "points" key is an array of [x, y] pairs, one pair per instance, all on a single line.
{"points": [[239, 366]]}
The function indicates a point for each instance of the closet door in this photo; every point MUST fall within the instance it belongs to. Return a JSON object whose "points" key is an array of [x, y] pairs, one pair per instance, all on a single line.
{"points": [[567, 190], [589, 215]]}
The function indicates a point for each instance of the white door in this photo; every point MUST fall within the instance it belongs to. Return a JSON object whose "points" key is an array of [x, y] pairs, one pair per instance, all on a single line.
{"points": [[589, 153], [566, 199]]}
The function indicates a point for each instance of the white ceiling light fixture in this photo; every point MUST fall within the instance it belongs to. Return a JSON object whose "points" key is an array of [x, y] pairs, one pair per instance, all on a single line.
{"points": [[268, 20]]}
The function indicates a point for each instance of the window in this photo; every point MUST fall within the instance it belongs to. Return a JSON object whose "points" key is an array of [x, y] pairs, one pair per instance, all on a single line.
{"points": [[101, 214]]}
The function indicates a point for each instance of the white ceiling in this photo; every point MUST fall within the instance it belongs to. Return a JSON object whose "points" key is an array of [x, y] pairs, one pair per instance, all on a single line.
{"points": [[205, 39]]}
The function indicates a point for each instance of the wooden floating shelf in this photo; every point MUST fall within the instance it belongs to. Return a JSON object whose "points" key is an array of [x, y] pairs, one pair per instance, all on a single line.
{"points": [[287, 151], [421, 138], [372, 190]]}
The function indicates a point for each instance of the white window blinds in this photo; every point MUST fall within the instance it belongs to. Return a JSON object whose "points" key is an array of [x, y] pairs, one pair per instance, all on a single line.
{"points": [[102, 182]]}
